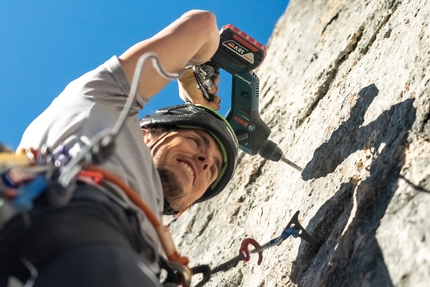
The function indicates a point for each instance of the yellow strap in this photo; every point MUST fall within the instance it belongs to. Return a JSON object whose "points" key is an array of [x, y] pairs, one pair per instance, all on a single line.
{"points": [[13, 159]]}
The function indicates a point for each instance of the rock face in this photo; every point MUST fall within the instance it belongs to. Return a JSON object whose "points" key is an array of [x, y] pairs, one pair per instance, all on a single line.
{"points": [[345, 89]]}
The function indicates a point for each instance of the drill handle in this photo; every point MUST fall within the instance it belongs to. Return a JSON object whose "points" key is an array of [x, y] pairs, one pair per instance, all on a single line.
{"points": [[244, 116]]}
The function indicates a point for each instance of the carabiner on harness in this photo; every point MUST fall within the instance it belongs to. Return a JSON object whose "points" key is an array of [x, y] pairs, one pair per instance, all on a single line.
{"points": [[205, 75]]}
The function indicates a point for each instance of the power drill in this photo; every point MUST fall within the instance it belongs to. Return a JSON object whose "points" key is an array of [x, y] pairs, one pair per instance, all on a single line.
{"points": [[239, 54]]}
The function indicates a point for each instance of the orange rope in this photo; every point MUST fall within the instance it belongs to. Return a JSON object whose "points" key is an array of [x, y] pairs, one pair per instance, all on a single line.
{"points": [[128, 191], [162, 231]]}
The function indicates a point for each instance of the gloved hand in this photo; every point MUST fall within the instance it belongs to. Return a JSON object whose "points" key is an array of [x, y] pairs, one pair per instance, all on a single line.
{"points": [[189, 91]]}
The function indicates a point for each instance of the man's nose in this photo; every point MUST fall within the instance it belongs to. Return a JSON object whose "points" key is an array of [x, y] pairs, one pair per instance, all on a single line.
{"points": [[206, 161]]}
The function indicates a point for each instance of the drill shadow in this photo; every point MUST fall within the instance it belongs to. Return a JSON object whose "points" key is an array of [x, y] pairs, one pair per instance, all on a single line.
{"points": [[350, 252], [347, 139]]}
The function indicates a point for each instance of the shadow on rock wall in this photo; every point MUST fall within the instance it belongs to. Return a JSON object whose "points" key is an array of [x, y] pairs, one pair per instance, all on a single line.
{"points": [[347, 139], [351, 257]]}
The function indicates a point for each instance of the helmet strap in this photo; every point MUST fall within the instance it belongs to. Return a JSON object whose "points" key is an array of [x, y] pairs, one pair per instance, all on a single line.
{"points": [[160, 138], [181, 212], [168, 210]]}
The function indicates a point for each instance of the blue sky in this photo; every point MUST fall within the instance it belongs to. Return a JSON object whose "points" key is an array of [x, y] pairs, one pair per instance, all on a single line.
{"points": [[46, 44]]}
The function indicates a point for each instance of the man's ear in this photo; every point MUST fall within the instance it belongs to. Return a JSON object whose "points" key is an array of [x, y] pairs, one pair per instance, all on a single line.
{"points": [[146, 135]]}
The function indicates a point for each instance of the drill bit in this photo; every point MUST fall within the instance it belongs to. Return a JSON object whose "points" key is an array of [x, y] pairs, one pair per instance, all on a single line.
{"points": [[292, 164]]}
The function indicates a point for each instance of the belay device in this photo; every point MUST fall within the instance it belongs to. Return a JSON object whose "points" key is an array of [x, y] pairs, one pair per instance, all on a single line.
{"points": [[239, 54]]}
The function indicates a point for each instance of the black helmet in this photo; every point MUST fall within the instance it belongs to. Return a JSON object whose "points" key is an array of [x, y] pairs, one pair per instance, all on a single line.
{"points": [[198, 116]]}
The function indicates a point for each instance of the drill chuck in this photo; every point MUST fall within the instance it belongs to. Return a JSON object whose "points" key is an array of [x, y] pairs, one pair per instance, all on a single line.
{"points": [[269, 150]]}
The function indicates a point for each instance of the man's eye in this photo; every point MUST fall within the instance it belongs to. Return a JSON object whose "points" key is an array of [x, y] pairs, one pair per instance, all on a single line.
{"points": [[196, 141]]}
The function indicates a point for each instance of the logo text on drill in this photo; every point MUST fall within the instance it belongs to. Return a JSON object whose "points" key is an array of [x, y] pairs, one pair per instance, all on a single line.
{"points": [[241, 121]]}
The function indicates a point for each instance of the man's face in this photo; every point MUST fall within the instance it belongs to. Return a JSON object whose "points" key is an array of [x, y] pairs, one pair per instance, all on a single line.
{"points": [[188, 162]]}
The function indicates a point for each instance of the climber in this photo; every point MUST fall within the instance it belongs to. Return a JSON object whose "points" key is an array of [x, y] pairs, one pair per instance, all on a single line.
{"points": [[179, 156]]}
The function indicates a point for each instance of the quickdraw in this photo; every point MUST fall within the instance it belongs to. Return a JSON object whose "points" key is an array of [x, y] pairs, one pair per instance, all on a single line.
{"points": [[293, 228]]}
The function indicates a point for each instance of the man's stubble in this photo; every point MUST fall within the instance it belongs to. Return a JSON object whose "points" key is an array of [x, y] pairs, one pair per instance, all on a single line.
{"points": [[172, 189]]}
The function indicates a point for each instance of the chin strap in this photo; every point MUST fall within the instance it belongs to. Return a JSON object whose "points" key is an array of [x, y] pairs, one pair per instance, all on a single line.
{"points": [[181, 212], [168, 210]]}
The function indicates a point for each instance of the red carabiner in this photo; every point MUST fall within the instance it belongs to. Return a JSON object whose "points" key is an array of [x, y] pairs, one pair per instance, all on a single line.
{"points": [[244, 249]]}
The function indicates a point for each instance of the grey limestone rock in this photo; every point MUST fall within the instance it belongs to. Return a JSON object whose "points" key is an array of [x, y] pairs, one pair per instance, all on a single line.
{"points": [[345, 89]]}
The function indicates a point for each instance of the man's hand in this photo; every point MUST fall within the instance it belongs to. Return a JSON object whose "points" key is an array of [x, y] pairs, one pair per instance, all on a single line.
{"points": [[189, 91]]}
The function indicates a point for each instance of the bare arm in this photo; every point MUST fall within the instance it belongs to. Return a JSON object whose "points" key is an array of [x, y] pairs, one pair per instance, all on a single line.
{"points": [[192, 39]]}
